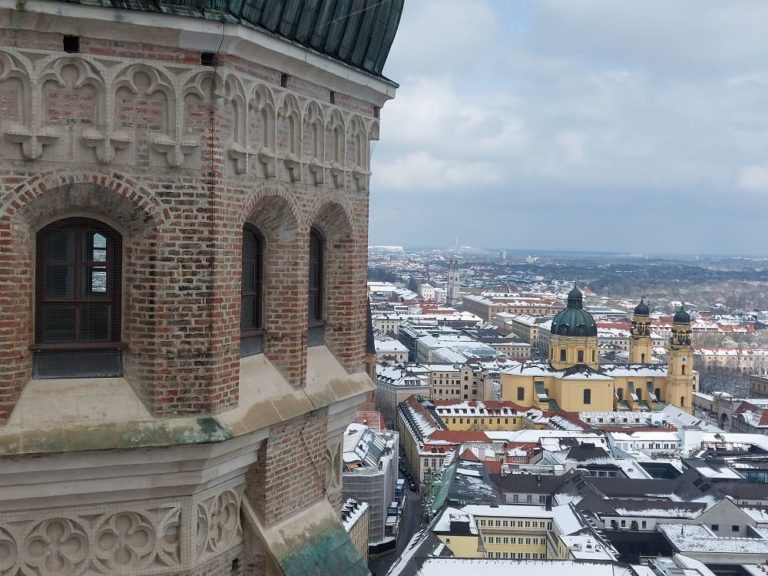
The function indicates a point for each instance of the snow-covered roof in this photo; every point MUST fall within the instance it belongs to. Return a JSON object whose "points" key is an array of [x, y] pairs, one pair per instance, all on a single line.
{"points": [[586, 547], [645, 436], [389, 345], [509, 511], [351, 511], [635, 370], [698, 538], [455, 515], [503, 567]]}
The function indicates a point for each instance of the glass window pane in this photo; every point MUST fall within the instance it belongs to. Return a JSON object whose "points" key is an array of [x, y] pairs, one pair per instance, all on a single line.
{"points": [[249, 277], [249, 246], [99, 255], [57, 323], [94, 323], [99, 240], [97, 283], [59, 282], [60, 245]]}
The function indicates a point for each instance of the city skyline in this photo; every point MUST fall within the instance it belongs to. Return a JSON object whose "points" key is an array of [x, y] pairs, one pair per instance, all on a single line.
{"points": [[575, 126]]}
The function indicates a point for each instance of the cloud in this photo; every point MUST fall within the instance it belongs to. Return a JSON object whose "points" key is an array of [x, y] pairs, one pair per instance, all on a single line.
{"points": [[423, 172], [572, 144], [577, 104], [432, 112], [753, 178]]}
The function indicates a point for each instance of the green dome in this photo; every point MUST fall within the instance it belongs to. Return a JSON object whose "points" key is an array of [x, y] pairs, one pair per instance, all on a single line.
{"points": [[642, 309], [574, 320], [681, 316], [358, 33]]}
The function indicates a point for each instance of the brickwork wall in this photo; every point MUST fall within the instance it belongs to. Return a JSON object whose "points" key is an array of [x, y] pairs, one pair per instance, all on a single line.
{"points": [[178, 162], [291, 472]]}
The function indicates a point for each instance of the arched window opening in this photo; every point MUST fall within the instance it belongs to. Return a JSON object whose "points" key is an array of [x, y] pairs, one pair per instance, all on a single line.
{"points": [[520, 393], [581, 356], [316, 288], [587, 396], [252, 293], [78, 300]]}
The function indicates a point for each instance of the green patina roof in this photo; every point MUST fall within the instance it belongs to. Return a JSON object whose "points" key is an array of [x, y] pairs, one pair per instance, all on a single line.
{"points": [[681, 316], [356, 32], [574, 320], [324, 551]]}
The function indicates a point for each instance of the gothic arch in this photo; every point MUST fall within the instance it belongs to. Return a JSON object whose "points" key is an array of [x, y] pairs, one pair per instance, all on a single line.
{"points": [[144, 202]]}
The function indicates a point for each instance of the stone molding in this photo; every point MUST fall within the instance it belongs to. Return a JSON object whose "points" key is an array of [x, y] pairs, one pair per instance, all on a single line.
{"points": [[117, 112]]}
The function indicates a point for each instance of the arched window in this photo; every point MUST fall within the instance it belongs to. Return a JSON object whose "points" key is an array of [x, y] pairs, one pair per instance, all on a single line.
{"points": [[316, 287], [580, 356], [520, 393], [252, 292], [78, 299], [587, 396]]}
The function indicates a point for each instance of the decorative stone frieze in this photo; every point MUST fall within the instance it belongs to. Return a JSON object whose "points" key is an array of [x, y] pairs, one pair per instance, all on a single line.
{"points": [[125, 538]]}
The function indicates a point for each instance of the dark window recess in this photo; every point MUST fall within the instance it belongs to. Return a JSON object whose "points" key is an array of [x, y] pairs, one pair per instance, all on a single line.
{"points": [[252, 293], [587, 396], [316, 273], [78, 364], [78, 299], [208, 59], [316, 335], [72, 44]]}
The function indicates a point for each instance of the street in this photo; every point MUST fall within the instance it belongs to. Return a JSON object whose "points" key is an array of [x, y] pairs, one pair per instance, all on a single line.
{"points": [[409, 524]]}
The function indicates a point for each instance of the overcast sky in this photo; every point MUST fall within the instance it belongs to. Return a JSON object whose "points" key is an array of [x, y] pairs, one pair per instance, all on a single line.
{"points": [[614, 125]]}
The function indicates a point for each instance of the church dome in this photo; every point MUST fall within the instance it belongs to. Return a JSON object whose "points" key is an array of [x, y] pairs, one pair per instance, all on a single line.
{"points": [[682, 317], [642, 309], [574, 320]]}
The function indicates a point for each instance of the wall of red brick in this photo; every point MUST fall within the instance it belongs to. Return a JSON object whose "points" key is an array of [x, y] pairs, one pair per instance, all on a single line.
{"points": [[291, 471], [181, 211]]}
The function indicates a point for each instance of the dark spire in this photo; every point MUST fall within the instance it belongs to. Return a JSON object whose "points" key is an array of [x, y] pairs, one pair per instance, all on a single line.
{"points": [[575, 299]]}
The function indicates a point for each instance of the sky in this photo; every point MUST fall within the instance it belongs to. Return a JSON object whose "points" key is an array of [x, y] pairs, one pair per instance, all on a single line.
{"points": [[596, 125]]}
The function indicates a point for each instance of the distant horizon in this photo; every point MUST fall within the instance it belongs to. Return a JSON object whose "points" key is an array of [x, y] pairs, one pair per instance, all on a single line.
{"points": [[550, 252]]}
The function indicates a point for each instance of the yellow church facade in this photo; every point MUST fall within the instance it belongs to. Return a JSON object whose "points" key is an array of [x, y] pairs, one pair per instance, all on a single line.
{"points": [[573, 379]]}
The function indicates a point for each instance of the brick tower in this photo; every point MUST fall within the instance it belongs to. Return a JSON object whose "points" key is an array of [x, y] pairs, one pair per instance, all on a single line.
{"points": [[183, 234]]}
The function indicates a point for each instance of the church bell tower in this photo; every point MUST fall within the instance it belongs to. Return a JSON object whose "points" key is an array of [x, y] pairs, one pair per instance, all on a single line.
{"points": [[640, 345], [680, 375], [453, 297]]}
